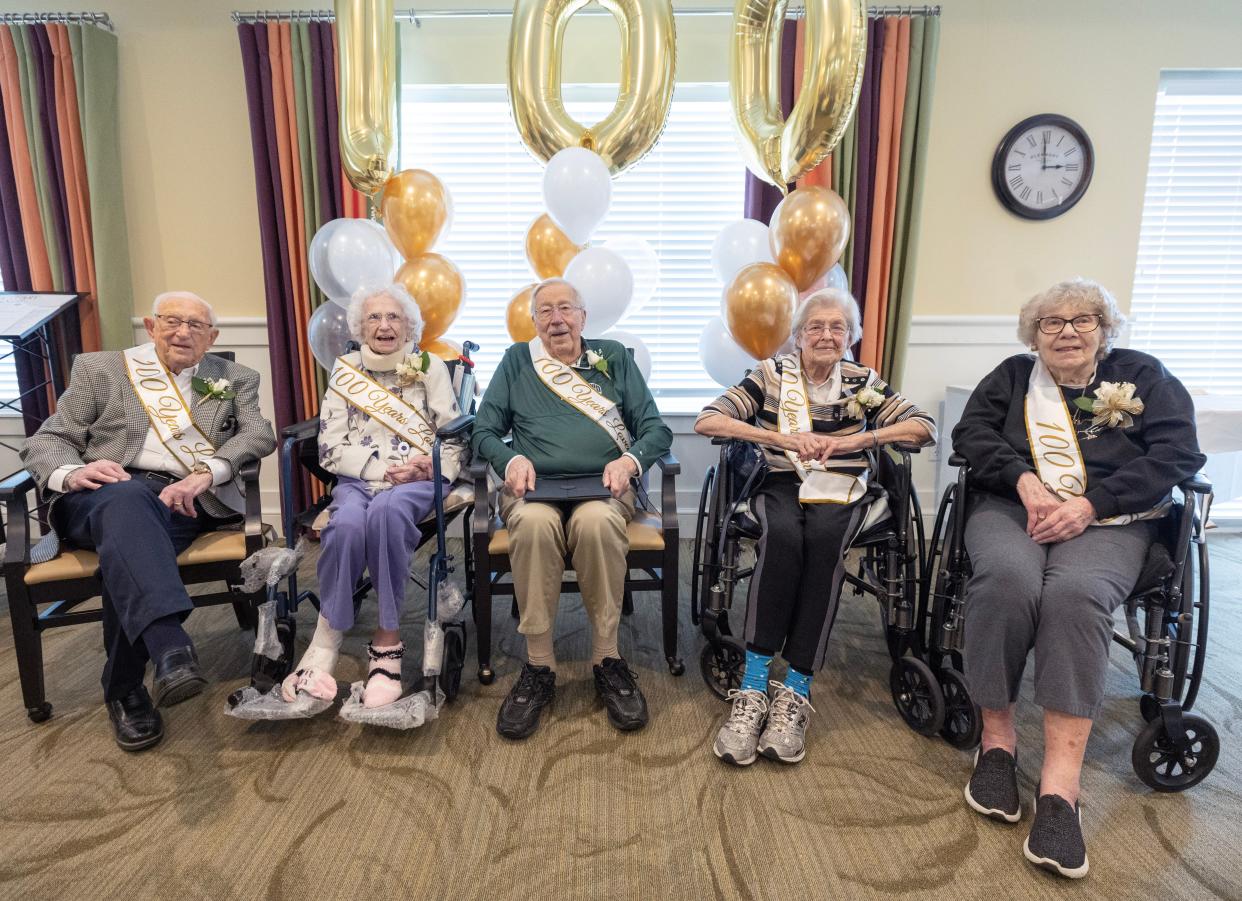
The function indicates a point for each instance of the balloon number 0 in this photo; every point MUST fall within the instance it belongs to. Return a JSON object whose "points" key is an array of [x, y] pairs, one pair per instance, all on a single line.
{"points": [[648, 61]]}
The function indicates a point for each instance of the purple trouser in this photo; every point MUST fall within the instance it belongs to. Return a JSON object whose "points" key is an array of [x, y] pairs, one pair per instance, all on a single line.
{"points": [[378, 532]]}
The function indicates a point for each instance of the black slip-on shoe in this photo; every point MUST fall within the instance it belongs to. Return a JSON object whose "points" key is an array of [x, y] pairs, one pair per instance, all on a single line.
{"points": [[519, 714], [993, 786], [617, 687], [136, 723], [177, 677], [1056, 841]]}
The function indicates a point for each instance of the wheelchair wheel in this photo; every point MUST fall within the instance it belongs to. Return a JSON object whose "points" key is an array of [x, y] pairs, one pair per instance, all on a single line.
{"points": [[1161, 766], [722, 665], [963, 721], [917, 695], [454, 661]]}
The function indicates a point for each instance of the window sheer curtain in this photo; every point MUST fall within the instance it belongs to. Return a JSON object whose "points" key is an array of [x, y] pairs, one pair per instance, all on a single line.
{"points": [[62, 225], [878, 170]]}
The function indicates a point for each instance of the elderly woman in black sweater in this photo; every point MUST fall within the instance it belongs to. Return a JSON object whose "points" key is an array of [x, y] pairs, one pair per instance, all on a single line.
{"points": [[1073, 452]]}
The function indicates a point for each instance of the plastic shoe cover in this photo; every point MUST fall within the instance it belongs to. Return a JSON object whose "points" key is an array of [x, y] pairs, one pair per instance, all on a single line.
{"points": [[250, 704], [451, 603], [409, 712]]}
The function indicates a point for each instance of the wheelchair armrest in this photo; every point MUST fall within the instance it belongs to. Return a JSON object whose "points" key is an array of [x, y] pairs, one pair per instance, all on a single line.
{"points": [[669, 464], [906, 447], [1197, 484], [455, 428], [721, 441], [17, 484], [300, 431], [957, 460]]}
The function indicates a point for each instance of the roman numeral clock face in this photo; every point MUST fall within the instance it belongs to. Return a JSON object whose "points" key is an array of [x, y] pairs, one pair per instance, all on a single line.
{"points": [[1043, 166]]}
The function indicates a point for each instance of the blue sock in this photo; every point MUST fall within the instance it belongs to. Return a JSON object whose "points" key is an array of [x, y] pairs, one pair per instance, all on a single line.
{"points": [[757, 666], [799, 682]]}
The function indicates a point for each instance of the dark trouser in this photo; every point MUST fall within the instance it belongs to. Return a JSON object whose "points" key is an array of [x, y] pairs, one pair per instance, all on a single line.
{"points": [[799, 568], [137, 538], [1055, 598]]}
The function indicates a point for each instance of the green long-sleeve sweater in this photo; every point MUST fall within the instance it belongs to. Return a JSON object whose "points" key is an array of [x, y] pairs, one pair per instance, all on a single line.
{"points": [[556, 438]]}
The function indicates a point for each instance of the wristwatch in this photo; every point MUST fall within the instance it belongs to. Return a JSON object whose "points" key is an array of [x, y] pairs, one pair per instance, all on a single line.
{"points": [[200, 468]]}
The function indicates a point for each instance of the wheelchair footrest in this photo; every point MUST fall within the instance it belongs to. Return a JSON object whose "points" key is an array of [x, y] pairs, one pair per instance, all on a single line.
{"points": [[408, 712]]}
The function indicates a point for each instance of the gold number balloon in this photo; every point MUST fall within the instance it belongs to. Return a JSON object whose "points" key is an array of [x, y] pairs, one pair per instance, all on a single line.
{"points": [[648, 59], [366, 65], [778, 150]]}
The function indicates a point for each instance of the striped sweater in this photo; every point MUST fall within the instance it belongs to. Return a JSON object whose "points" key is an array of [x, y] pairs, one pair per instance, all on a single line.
{"points": [[756, 399]]}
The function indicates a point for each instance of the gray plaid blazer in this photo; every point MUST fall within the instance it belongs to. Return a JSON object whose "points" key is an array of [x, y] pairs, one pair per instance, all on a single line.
{"points": [[99, 417]]}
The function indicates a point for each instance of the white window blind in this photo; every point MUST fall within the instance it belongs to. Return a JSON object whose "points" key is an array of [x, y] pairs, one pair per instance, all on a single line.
{"points": [[8, 374], [677, 198], [1187, 301]]}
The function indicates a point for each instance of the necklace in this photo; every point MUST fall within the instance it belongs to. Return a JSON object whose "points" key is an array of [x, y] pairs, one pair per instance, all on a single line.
{"points": [[1082, 392]]}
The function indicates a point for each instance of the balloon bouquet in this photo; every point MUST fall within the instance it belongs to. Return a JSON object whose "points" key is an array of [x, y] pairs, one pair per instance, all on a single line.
{"points": [[348, 254]]}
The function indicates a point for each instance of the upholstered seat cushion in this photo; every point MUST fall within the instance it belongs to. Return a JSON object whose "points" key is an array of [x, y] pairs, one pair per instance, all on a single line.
{"points": [[644, 533], [213, 547]]}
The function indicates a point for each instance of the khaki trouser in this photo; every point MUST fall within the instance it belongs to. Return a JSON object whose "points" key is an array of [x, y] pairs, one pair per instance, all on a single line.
{"points": [[595, 539]]}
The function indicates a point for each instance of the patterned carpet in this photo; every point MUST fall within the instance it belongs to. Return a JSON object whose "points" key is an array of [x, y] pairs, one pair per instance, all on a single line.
{"points": [[322, 809]]}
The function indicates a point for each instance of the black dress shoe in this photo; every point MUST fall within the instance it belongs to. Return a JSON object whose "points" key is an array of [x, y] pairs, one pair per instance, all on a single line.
{"points": [[617, 688], [135, 721], [177, 677], [519, 714]]}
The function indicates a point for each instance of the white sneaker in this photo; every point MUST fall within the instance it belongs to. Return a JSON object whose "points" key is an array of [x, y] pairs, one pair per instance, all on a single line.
{"points": [[738, 737], [784, 739]]}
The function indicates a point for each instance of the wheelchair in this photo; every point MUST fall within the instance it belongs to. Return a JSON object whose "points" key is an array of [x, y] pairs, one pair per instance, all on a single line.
{"points": [[890, 540], [1166, 631], [299, 456]]}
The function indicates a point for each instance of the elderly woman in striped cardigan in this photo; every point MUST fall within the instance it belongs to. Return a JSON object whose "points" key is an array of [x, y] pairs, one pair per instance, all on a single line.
{"points": [[814, 413]]}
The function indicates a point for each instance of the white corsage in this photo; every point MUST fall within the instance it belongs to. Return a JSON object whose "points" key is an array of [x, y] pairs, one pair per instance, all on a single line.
{"points": [[866, 398], [597, 362], [1114, 405], [213, 389], [413, 369]]}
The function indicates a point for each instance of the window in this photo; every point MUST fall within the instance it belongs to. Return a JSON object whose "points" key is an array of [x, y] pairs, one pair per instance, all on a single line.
{"points": [[1187, 302], [677, 198], [8, 374]]}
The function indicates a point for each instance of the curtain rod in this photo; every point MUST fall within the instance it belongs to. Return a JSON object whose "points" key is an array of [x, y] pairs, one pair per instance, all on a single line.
{"points": [[416, 15], [100, 20]]}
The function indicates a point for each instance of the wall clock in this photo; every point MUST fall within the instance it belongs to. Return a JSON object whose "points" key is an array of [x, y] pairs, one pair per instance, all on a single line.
{"points": [[1043, 166]]}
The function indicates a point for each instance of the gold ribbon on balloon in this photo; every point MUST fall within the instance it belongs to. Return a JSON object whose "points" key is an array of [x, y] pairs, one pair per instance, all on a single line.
{"points": [[366, 65], [648, 60], [778, 150]]}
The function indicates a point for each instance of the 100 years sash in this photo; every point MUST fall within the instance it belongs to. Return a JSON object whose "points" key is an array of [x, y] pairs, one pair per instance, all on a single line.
{"points": [[570, 387], [820, 485], [165, 407], [386, 408], [1053, 439]]}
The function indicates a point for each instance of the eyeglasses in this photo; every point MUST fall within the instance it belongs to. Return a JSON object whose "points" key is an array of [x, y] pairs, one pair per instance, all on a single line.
{"points": [[1053, 325], [390, 318], [543, 314], [816, 331], [174, 323]]}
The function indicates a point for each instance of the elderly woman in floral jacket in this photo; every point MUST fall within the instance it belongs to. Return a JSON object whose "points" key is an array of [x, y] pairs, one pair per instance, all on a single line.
{"points": [[376, 425]]}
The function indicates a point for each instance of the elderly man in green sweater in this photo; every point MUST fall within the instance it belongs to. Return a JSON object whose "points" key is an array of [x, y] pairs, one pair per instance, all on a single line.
{"points": [[574, 408]]}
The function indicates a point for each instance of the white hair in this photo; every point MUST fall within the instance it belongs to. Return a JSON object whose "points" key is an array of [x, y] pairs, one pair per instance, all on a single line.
{"points": [[834, 299], [161, 299], [1081, 294], [398, 292], [549, 283]]}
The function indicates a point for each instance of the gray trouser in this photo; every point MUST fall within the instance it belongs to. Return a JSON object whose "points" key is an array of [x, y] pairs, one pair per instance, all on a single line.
{"points": [[1057, 598]]}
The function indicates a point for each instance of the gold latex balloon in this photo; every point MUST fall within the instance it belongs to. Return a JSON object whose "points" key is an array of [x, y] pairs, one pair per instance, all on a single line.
{"points": [[759, 307], [779, 150], [648, 60], [437, 287], [442, 348], [548, 249], [517, 316], [366, 66], [415, 206], [808, 233]]}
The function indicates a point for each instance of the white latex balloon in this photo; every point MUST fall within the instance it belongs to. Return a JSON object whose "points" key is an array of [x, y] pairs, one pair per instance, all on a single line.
{"points": [[605, 284], [397, 259], [833, 278], [577, 191], [724, 360], [642, 356], [644, 265], [347, 254], [738, 245], [328, 331], [317, 259]]}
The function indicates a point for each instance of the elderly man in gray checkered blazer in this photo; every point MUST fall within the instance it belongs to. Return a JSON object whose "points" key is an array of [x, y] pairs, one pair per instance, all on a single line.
{"points": [[141, 456]]}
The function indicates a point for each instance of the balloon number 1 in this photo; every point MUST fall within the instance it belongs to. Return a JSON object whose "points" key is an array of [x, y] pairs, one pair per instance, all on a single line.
{"points": [[367, 75]]}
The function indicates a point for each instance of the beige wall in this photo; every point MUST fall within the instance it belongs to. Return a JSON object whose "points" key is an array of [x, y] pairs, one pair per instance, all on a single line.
{"points": [[190, 186]]}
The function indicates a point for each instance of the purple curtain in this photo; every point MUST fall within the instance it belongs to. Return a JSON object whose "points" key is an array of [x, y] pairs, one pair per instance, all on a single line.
{"points": [[761, 197], [868, 146]]}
